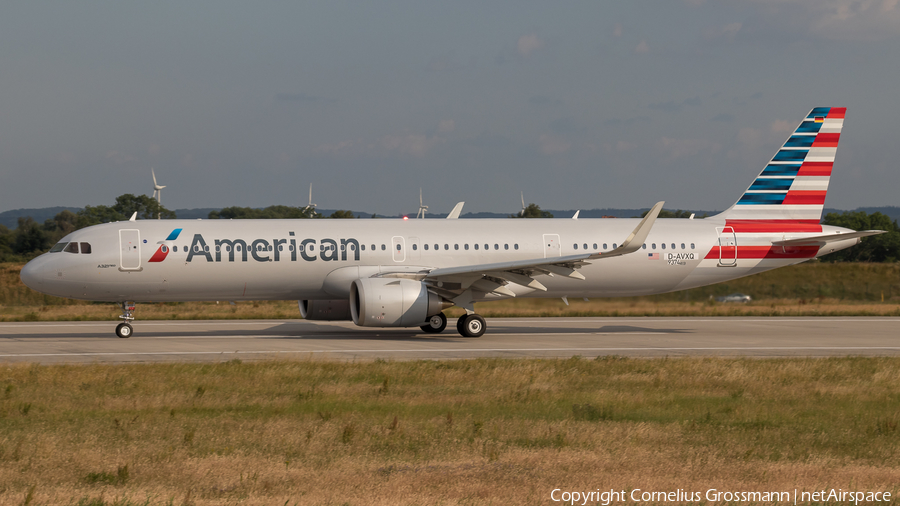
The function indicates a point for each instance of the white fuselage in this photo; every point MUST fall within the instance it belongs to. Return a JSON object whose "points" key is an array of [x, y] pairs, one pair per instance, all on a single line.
{"points": [[319, 259]]}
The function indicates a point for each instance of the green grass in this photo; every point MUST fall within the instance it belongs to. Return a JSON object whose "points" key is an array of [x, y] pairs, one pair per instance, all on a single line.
{"points": [[258, 433]]}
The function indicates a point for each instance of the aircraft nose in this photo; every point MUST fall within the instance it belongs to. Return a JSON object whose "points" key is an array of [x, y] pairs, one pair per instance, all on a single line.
{"points": [[31, 275]]}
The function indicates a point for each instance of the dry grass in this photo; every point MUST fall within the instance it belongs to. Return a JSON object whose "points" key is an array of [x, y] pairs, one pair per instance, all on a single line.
{"points": [[462, 432]]}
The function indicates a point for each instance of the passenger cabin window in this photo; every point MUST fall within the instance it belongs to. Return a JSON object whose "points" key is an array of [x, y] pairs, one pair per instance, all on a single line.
{"points": [[58, 247], [476, 245], [466, 246], [426, 246], [415, 247], [72, 248], [383, 247]]}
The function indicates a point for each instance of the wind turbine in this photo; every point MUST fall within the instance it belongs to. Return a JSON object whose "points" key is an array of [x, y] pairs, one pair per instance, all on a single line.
{"points": [[157, 191], [522, 212], [422, 207], [310, 205]]}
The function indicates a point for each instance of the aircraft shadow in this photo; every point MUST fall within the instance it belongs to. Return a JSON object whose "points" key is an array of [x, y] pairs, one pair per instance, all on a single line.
{"points": [[328, 331]]}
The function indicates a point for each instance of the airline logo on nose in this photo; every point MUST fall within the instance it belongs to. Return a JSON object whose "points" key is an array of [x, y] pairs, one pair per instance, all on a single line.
{"points": [[164, 246]]}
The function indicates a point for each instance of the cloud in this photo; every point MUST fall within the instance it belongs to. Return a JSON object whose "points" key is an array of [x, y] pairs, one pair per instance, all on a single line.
{"points": [[303, 97], [780, 126], [722, 34], [617, 30], [553, 145], [749, 137], [416, 145], [338, 148], [864, 20], [566, 125], [626, 121], [446, 126], [528, 44], [723, 117], [642, 47], [544, 100], [119, 158], [855, 19], [678, 148], [622, 146], [673, 106], [444, 62]]}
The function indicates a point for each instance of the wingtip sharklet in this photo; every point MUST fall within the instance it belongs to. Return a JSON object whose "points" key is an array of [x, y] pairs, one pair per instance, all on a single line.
{"points": [[636, 239]]}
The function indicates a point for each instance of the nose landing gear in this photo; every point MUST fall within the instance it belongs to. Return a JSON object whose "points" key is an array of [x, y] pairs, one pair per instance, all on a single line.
{"points": [[124, 330]]}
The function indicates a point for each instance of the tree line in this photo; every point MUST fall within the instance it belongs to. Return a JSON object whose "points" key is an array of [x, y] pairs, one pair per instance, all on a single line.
{"points": [[31, 238]]}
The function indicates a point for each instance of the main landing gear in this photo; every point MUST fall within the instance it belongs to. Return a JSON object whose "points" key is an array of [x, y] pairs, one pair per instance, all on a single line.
{"points": [[436, 324], [124, 329], [470, 325]]}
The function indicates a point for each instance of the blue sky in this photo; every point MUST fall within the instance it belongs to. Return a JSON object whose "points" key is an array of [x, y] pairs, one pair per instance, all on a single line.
{"points": [[577, 104]]}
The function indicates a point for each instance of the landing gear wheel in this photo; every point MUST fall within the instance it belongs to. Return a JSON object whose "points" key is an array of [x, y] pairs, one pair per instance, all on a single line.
{"points": [[472, 325], [436, 324], [124, 330]]}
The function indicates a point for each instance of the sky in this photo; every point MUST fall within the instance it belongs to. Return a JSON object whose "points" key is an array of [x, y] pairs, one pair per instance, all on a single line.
{"points": [[579, 105]]}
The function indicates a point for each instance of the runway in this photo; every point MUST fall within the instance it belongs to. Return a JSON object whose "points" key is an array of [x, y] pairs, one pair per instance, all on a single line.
{"points": [[219, 340]]}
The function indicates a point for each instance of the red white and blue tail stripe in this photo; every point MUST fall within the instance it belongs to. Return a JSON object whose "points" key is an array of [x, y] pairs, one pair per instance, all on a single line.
{"points": [[789, 193]]}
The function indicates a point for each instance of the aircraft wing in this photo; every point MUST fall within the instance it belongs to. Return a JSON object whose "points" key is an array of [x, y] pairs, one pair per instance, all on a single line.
{"points": [[820, 240], [457, 283]]}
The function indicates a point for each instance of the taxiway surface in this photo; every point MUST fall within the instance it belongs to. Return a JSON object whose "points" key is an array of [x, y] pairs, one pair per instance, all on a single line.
{"points": [[188, 341]]}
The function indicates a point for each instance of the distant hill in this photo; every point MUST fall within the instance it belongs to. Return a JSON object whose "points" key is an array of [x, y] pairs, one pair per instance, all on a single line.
{"points": [[11, 218]]}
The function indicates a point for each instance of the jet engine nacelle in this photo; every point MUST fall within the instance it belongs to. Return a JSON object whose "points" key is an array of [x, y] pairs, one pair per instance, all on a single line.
{"points": [[325, 310], [393, 302]]}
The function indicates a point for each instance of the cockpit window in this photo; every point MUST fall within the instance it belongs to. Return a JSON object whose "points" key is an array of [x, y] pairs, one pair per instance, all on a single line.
{"points": [[86, 248], [58, 247], [72, 248]]}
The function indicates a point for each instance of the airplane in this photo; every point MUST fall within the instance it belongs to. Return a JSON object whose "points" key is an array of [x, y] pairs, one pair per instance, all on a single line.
{"points": [[404, 273]]}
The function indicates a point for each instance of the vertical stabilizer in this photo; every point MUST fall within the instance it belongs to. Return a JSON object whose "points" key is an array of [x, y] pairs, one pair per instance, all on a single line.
{"points": [[791, 189]]}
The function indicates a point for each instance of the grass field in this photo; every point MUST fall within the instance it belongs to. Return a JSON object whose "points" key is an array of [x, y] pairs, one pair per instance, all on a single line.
{"points": [[808, 289], [433, 432]]}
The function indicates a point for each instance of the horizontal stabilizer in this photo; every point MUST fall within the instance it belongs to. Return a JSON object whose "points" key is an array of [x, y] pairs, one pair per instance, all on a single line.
{"points": [[825, 239]]}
